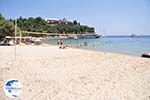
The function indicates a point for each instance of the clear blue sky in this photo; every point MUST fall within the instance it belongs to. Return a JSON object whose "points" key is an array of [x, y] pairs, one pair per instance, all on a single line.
{"points": [[116, 17]]}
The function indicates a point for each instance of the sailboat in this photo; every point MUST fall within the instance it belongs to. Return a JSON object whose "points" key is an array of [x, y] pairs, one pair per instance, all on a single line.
{"points": [[103, 32]]}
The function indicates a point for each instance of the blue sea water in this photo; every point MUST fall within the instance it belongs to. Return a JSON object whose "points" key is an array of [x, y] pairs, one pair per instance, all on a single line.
{"points": [[117, 44]]}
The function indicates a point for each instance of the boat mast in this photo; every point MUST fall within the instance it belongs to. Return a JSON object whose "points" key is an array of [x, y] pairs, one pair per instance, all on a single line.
{"points": [[104, 31]]}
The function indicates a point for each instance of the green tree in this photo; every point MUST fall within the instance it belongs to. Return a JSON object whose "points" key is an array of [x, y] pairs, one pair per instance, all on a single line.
{"points": [[75, 22], [7, 28]]}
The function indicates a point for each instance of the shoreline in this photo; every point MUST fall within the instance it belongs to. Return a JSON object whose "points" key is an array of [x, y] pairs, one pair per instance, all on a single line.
{"points": [[89, 49], [111, 52], [134, 48], [78, 48]]}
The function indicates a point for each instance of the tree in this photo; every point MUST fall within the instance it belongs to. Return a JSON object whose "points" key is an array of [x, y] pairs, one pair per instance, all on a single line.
{"points": [[75, 22], [91, 30], [7, 28]]}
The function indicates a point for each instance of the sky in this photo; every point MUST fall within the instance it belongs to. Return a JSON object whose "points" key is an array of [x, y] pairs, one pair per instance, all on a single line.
{"points": [[109, 17]]}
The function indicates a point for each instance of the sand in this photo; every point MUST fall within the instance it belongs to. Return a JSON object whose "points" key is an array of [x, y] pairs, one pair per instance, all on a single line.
{"points": [[49, 73]]}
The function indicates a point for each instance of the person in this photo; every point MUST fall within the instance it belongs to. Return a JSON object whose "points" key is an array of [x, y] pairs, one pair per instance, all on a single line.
{"points": [[58, 42], [62, 45]]}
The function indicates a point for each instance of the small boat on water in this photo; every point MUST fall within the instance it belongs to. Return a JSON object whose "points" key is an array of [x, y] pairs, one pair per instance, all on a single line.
{"points": [[90, 36]]}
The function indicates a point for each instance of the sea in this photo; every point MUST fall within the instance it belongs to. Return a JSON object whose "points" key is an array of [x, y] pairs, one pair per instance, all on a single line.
{"points": [[134, 46]]}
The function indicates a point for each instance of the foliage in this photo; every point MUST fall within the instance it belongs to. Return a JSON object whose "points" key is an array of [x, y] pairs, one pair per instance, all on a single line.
{"points": [[40, 25], [7, 28]]}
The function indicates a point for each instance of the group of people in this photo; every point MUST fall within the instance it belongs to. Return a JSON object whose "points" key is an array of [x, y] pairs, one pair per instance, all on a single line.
{"points": [[61, 44]]}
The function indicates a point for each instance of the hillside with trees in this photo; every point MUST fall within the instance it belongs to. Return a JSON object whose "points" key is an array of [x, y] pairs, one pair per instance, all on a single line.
{"points": [[38, 24]]}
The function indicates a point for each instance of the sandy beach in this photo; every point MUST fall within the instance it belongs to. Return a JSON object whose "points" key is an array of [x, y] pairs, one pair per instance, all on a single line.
{"points": [[50, 73]]}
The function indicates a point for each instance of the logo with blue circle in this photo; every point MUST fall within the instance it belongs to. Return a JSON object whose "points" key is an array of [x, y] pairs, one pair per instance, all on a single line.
{"points": [[12, 88]]}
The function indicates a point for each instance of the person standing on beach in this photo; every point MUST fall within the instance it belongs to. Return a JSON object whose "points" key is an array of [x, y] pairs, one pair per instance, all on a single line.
{"points": [[58, 42], [61, 44]]}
